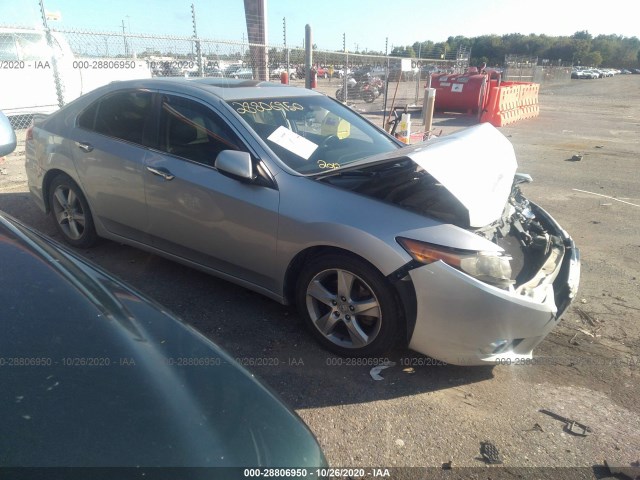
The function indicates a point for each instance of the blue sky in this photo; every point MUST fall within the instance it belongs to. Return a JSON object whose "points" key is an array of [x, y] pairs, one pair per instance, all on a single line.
{"points": [[366, 23]]}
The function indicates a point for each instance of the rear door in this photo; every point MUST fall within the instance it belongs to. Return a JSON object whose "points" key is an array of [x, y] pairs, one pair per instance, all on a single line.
{"points": [[109, 147], [199, 214]]}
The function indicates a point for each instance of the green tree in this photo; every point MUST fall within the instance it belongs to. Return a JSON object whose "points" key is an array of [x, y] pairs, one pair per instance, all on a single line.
{"points": [[406, 51], [592, 59]]}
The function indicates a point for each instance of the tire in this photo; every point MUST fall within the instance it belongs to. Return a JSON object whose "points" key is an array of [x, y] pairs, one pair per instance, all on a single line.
{"points": [[348, 306], [368, 96], [339, 95], [71, 212]]}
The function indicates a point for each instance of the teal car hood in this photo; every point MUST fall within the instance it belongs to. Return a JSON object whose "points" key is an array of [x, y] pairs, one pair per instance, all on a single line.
{"points": [[95, 375]]}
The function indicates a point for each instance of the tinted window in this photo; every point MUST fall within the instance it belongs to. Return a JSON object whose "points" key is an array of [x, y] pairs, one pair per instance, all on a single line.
{"points": [[87, 119], [122, 115], [191, 130]]}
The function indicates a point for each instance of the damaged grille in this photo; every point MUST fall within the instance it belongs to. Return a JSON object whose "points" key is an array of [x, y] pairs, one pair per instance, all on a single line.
{"points": [[534, 250]]}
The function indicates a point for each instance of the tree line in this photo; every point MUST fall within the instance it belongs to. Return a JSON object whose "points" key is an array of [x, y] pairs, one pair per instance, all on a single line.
{"points": [[581, 48]]}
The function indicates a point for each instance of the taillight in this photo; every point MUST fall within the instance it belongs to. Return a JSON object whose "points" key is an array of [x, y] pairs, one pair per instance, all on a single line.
{"points": [[29, 133]]}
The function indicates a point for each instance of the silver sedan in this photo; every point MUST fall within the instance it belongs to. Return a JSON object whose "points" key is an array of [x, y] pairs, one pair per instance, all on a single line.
{"points": [[292, 194]]}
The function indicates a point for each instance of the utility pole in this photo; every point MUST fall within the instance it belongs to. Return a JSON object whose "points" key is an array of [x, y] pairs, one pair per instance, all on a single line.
{"points": [[124, 40]]}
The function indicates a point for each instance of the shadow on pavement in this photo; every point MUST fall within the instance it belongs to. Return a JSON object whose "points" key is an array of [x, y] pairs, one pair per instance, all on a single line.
{"points": [[267, 338]]}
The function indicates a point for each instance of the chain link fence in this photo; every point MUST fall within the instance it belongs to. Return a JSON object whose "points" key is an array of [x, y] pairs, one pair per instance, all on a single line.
{"points": [[522, 68], [42, 70]]}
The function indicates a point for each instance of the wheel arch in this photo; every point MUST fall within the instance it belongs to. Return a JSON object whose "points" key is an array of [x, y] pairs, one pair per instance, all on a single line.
{"points": [[46, 185], [403, 290]]}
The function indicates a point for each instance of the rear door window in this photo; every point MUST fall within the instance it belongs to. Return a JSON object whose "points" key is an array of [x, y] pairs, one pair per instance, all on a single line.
{"points": [[122, 115]]}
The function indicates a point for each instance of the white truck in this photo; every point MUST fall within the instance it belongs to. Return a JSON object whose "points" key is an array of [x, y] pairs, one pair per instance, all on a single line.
{"points": [[27, 81]]}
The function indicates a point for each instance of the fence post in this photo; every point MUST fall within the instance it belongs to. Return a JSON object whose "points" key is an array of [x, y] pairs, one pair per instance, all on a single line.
{"points": [[345, 85], [386, 84], [197, 41], [308, 56], [54, 62]]}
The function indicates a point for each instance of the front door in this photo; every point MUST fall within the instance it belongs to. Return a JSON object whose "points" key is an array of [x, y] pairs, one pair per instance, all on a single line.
{"points": [[199, 214]]}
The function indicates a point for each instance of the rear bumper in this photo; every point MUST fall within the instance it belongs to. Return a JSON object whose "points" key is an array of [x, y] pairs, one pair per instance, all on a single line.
{"points": [[463, 321]]}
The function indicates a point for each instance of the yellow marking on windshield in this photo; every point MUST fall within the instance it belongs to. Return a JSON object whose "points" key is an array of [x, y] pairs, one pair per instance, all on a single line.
{"points": [[250, 108], [334, 125], [323, 164]]}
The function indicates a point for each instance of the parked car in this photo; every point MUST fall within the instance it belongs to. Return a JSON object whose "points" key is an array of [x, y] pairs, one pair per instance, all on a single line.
{"points": [[590, 74], [578, 74], [213, 72], [238, 71], [277, 72], [288, 192], [94, 374]]}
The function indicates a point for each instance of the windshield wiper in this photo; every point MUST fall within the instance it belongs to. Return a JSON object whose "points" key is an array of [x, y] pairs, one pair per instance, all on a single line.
{"points": [[391, 167], [358, 172]]}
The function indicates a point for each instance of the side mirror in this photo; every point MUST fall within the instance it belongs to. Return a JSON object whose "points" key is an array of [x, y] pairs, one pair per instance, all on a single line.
{"points": [[235, 164], [7, 136]]}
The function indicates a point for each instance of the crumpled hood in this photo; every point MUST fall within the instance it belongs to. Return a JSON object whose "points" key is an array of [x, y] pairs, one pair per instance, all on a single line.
{"points": [[477, 165]]}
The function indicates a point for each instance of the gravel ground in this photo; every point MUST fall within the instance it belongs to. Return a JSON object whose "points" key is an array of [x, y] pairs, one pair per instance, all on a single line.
{"points": [[426, 415]]}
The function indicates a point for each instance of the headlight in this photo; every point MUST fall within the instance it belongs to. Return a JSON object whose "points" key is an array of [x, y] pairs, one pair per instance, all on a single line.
{"points": [[490, 267]]}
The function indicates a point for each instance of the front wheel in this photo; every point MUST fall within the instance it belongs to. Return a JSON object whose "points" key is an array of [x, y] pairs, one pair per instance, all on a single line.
{"points": [[340, 95], [71, 212], [348, 306]]}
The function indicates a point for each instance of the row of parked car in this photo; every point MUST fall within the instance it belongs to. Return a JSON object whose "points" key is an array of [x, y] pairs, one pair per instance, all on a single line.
{"points": [[591, 73]]}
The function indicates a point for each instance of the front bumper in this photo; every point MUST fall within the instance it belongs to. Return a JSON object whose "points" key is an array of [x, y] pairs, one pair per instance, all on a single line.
{"points": [[463, 321]]}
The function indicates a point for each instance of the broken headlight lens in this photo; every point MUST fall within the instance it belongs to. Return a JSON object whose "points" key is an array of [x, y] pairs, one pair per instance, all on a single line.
{"points": [[493, 268]]}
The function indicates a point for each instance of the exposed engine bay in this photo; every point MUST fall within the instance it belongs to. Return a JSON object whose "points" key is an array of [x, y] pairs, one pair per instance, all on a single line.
{"points": [[407, 185], [534, 248], [536, 251]]}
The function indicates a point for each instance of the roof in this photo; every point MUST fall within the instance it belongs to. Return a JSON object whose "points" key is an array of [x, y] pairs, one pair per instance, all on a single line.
{"points": [[224, 88]]}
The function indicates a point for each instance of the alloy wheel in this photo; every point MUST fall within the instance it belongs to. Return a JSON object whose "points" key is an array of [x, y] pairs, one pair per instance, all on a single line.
{"points": [[344, 308]]}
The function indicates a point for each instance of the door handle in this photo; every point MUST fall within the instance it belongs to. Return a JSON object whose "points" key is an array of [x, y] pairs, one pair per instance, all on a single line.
{"points": [[162, 172], [87, 147]]}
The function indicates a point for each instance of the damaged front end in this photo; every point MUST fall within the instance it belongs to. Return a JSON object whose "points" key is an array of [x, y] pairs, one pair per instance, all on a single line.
{"points": [[494, 273], [536, 246], [503, 303]]}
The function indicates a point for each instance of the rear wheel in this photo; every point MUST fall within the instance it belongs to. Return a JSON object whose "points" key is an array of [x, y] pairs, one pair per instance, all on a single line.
{"points": [[348, 306], [368, 96], [71, 212]]}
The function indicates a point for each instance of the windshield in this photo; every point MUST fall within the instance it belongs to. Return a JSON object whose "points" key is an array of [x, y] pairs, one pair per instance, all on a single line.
{"points": [[313, 134]]}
